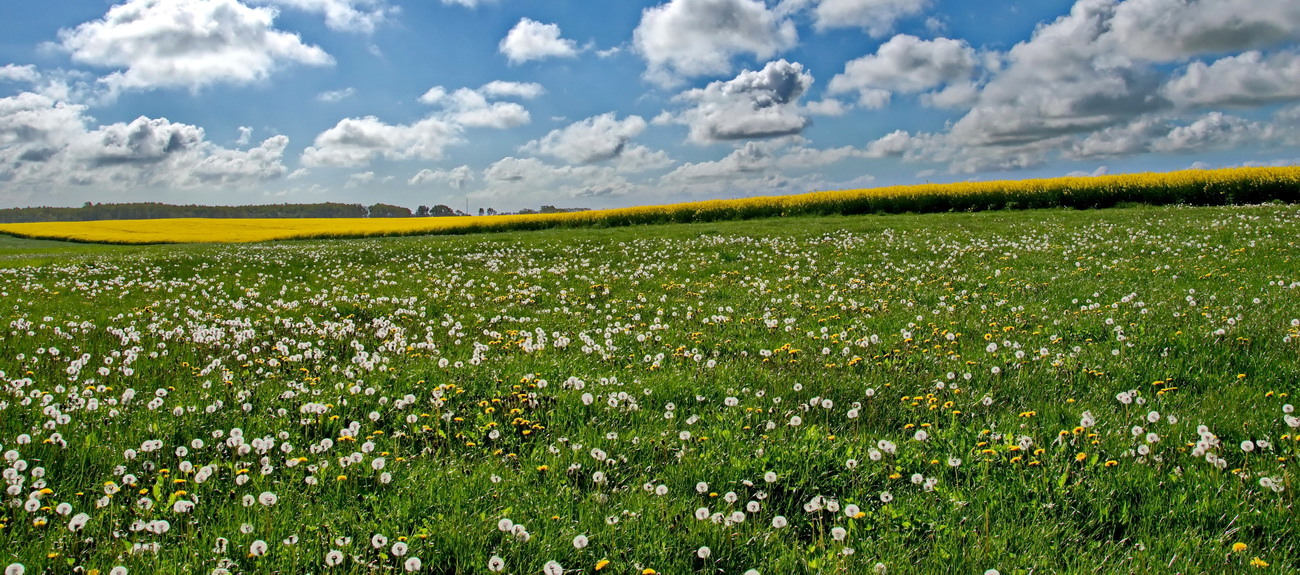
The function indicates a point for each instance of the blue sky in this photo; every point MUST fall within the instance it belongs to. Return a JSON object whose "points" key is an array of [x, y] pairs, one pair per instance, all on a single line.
{"points": [[520, 103]]}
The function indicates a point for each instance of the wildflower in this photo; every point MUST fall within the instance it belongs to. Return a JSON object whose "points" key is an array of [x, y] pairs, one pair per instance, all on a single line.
{"points": [[378, 541], [78, 522], [1257, 562], [703, 552], [399, 549], [257, 549], [267, 498], [15, 569], [702, 513], [496, 564], [412, 565], [1238, 547], [579, 541], [602, 564], [779, 522], [839, 533], [552, 568]]}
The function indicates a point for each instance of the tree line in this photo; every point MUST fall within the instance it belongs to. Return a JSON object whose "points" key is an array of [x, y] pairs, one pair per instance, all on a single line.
{"points": [[153, 210]]}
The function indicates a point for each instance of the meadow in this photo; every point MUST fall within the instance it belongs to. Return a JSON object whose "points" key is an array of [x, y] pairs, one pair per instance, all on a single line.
{"points": [[1043, 391]]}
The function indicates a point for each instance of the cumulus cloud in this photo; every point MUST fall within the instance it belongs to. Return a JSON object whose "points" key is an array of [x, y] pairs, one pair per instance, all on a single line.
{"points": [[471, 108], [688, 38], [533, 40], [1064, 80], [1247, 79], [905, 64], [877, 17], [754, 104], [354, 142], [15, 73], [187, 44], [456, 177], [46, 144], [591, 140], [357, 141], [524, 180], [359, 16], [765, 158], [502, 89], [1215, 130], [1172, 30]]}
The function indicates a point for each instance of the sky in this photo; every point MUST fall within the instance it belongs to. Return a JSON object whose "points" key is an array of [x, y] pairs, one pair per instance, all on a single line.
{"points": [[511, 104]]}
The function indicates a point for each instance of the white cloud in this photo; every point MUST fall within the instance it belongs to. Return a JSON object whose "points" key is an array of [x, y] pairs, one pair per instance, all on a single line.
{"points": [[332, 96], [1065, 80], [187, 44], [1247, 79], [1135, 137], [502, 89], [905, 64], [754, 104], [456, 177], [359, 16], [591, 140], [529, 180], [357, 141], [688, 38], [1211, 131], [466, 3], [826, 107], [471, 108], [245, 134], [1215, 131], [533, 40], [877, 17], [45, 145], [15, 73], [1172, 30], [638, 158], [761, 158]]}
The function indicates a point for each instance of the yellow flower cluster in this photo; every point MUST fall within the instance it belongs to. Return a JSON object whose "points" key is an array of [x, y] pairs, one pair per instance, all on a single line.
{"points": [[1195, 187]]}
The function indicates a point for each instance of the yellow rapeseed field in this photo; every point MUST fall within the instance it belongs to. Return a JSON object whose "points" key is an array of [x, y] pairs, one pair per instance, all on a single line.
{"points": [[1193, 187]]}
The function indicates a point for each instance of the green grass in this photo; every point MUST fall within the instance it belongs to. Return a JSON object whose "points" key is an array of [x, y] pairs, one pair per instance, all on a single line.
{"points": [[984, 330]]}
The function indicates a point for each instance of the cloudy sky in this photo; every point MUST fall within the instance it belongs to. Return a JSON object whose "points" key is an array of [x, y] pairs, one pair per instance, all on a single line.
{"points": [[519, 103]]}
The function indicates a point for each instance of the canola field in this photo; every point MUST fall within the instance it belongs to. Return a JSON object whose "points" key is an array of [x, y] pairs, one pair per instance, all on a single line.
{"points": [[1106, 391], [1190, 187]]}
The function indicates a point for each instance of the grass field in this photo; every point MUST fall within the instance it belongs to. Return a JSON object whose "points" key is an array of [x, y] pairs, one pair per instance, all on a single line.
{"points": [[1033, 392]]}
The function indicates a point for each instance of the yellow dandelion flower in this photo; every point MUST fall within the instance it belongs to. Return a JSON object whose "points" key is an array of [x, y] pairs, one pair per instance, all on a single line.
{"points": [[602, 564], [1080, 456], [1257, 562], [1238, 547]]}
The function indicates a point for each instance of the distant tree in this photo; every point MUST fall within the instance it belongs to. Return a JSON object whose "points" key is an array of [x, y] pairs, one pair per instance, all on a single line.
{"points": [[442, 211], [491, 211], [527, 211], [480, 211], [389, 211], [422, 212]]}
